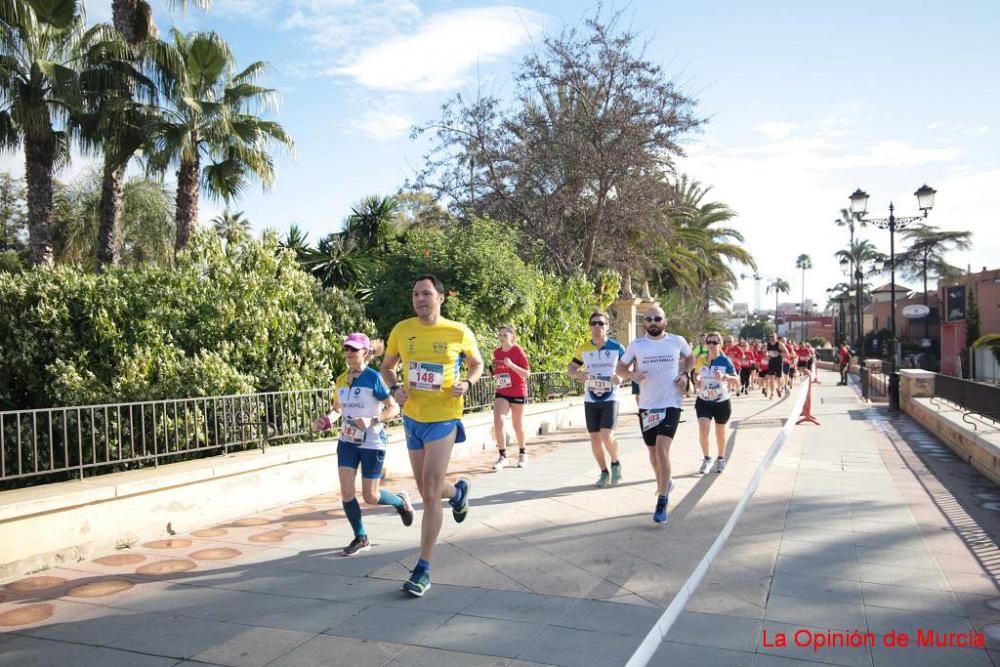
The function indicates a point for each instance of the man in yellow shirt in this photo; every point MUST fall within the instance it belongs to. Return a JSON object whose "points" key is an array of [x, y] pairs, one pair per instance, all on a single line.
{"points": [[431, 349]]}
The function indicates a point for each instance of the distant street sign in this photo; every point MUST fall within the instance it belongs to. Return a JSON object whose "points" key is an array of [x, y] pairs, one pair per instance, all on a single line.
{"points": [[915, 311]]}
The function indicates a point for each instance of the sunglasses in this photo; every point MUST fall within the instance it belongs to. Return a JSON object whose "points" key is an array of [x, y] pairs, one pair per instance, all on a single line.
{"points": [[598, 324], [351, 349], [653, 319], [712, 342]]}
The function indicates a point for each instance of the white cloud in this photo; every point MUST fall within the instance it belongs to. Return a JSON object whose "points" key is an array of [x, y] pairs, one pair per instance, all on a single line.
{"points": [[383, 125], [776, 129], [788, 192], [442, 51]]}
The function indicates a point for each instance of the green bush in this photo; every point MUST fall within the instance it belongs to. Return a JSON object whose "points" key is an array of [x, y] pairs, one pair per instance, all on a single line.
{"points": [[487, 285], [224, 320]]}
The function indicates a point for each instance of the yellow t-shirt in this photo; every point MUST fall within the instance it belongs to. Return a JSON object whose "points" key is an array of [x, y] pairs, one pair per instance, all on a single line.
{"points": [[431, 356]]}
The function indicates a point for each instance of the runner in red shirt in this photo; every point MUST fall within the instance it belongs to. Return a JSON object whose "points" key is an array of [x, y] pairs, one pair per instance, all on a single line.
{"points": [[510, 370], [735, 354], [805, 354], [844, 359]]}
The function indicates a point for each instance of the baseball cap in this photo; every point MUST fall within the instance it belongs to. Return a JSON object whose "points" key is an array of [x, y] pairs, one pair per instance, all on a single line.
{"points": [[358, 341]]}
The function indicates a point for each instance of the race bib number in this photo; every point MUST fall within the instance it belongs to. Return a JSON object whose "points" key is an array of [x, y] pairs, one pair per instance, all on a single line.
{"points": [[351, 433], [773, 353], [425, 376], [650, 418], [711, 386], [599, 385], [503, 381]]}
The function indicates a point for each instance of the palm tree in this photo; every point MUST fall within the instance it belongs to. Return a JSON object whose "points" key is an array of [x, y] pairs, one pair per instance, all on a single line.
{"points": [[713, 247], [849, 220], [804, 262], [213, 118], [780, 286], [134, 18], [372, 222], [122, 125], [928, 245], [857, 254], [50, 67], [233, 227]]}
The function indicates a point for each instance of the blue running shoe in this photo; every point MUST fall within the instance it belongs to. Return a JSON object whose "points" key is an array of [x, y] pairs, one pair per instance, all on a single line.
{"points": [[460, 509], [660, 513], [418, 583]]}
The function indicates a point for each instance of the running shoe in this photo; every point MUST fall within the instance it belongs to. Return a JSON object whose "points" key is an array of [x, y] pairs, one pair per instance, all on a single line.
{"points": [[720, 465], [418, 583], [604, 481], [660, 513], [459, 510], [356, 546], [616, 474], [500, 464], [406, 511], [522, 460], [706, 466]]}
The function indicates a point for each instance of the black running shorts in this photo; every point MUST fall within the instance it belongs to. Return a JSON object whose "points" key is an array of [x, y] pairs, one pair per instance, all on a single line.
{"points": [[720, 411], [600, 415], [667, 426]]}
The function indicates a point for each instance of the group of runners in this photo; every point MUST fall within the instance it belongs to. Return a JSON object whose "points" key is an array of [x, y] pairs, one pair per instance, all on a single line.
{"points": [[421, 376], [770, 366]]}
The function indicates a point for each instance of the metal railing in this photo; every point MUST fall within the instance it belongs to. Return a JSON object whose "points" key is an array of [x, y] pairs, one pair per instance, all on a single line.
{"points": [[57, 444], [874, 383], [54, 444], [975, 398]]}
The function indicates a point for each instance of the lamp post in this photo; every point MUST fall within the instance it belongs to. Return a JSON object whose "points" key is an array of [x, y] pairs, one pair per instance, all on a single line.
{"points": [[859, 206]]}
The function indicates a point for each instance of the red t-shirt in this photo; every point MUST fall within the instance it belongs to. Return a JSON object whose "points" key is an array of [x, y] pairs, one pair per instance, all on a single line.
{"points": [[844, 354], [735, 355], [804, 353], [510, 383]]}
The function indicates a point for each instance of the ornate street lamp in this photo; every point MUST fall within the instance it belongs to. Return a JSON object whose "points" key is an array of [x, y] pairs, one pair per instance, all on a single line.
{"points": [[859, 206]]}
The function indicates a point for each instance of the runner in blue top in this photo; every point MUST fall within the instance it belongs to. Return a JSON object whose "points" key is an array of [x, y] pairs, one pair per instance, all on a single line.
{"points": [[713, 401], [362, 397], [594, 364]]}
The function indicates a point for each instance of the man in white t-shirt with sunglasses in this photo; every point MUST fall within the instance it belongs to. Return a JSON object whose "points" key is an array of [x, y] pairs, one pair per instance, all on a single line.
{"points": [[661, 363]]}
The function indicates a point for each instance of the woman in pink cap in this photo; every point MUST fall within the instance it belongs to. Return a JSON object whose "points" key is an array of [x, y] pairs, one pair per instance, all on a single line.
{"points": [[363, 399]]}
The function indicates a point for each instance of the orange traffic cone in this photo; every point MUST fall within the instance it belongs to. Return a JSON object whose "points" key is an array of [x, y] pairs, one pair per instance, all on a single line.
{"points": [[806, 415]]}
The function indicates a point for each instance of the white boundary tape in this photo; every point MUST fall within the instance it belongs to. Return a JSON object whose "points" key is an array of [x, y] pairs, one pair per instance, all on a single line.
{"points": [[644, 653]]}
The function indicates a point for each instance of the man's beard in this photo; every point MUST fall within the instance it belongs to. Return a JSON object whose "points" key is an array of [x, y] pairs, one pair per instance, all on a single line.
{"points": [[654, 330]]}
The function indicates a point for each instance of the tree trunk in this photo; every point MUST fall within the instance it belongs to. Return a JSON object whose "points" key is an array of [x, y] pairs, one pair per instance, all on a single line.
{"points": [[187, 200], [109, 240], [39, 155], [133, 19]]}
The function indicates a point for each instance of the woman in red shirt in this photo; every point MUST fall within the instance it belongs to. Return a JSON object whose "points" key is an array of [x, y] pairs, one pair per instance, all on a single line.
{"points": [[510, 371]]}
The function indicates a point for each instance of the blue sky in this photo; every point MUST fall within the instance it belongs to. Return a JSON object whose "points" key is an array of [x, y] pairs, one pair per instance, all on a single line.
{"points": [[806, 101]]}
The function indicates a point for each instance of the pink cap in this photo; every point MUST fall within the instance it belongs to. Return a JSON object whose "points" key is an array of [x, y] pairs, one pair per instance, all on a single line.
{"points": [[358, 341]]}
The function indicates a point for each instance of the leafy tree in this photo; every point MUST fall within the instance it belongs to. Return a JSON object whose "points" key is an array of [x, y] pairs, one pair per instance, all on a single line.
{"points": [[134, 18], [214, 117], [488, 285], [372, 222], [851, 221], [579, 160], [756, 329], [419, 209]]}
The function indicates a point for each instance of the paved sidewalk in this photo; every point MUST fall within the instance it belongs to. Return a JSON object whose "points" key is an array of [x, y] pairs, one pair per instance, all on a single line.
{"points": [[858, 525]]}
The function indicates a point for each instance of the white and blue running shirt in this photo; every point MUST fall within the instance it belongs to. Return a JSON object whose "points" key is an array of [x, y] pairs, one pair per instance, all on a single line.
{"points": [[362, 398]]}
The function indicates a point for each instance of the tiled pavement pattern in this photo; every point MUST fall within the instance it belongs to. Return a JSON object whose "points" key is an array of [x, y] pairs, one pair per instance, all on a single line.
{"points": [[861, 523]]}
